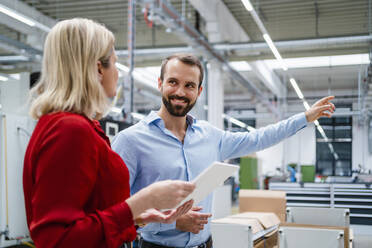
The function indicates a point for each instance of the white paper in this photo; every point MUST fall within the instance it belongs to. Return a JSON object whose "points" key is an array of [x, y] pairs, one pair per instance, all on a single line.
{"points": [[209, 180]]}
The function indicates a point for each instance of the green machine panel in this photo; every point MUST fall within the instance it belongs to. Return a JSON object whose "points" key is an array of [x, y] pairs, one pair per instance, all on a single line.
{"points": [[248, 174], [308, 173]]}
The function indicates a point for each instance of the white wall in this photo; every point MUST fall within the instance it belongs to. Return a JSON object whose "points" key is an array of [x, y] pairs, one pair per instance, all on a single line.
{"points": [[14, 95], [360, 153], [13, 142], [299, 149]]}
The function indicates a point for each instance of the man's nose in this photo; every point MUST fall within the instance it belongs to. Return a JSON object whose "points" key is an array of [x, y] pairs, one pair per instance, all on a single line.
{"points": [[180, 92]]}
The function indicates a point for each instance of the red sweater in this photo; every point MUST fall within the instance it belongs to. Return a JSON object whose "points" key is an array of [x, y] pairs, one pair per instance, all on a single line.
{"points": [[75, 186]]}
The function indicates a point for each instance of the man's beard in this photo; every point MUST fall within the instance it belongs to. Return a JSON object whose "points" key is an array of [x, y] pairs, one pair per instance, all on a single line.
{"points": [[177, 110]]}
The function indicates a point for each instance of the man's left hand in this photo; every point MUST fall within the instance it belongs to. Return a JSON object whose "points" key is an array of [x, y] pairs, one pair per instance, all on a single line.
{"points": [[323, 107]]}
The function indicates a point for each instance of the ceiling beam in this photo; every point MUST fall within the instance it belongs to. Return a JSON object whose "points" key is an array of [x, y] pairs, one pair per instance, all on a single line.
{"points": [[163, 13], [35, 34], [256, 48], [226, 29], [269, 78]]}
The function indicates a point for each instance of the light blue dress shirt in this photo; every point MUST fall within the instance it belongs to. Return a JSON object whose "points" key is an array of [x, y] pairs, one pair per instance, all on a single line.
{"points": [[152, 153]]}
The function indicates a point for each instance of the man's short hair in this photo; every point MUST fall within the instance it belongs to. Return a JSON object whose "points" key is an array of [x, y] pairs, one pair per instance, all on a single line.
{"points": [[185, 58]]}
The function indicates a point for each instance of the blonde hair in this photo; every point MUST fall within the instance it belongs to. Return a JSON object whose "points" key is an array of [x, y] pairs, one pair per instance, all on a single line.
{"points": [[69, 77]]}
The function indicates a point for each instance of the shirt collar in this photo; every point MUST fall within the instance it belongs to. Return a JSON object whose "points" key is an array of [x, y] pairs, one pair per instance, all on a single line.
{"points": [[153, 117]]}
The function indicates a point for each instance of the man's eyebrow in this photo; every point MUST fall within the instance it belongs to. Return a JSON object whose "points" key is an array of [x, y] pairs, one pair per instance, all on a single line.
{"points": [[174, 79]]}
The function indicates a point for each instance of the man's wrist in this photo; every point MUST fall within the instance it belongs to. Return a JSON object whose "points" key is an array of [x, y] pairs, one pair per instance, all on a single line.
{"points": [[307, 116]]}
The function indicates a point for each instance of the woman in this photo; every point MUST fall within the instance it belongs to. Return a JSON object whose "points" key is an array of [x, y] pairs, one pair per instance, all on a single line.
{"points": [[76, 188]]}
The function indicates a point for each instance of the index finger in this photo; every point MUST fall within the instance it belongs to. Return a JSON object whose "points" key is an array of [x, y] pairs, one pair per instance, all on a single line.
{"points": [[204, 215], [326, 99]]}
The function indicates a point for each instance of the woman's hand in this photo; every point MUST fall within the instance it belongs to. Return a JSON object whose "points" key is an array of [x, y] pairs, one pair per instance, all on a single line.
{"points": [[168, 216], [160, 195], [168, 194]]}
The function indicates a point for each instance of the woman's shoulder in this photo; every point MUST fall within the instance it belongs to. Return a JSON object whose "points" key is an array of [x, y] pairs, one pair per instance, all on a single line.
{"points": [[66, 121]]}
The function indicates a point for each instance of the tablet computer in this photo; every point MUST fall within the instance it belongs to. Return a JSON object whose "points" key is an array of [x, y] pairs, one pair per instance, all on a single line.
{"points": [[210, 179]]}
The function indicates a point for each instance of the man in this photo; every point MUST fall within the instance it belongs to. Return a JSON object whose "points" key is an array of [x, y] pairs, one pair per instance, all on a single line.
{"points": [[169, 144]]}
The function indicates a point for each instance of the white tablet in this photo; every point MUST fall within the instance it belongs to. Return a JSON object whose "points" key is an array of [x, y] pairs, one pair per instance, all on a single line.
{"points": [[210, 179]]}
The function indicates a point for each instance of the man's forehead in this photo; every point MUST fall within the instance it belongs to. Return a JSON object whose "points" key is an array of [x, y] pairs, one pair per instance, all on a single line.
{"points": [[175, 67]]}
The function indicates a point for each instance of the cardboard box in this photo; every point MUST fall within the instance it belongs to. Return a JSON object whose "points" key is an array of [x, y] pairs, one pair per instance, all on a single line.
{"points": [[268, 241], [266, 220], [263, 201], [345, 230], [241, 230]]}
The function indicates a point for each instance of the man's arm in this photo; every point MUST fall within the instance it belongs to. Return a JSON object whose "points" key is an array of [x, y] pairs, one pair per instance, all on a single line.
{"points": [[239, 144]]}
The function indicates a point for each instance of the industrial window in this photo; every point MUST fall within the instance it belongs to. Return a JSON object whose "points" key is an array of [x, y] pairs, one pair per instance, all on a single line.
{"points": [[339, 133]]}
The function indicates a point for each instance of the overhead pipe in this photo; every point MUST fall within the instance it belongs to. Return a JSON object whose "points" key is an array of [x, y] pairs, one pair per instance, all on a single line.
{"points": [[254, 48]]}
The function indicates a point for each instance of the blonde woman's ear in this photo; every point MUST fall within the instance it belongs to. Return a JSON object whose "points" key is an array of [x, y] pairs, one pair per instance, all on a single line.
{"points": [[99, 71]]}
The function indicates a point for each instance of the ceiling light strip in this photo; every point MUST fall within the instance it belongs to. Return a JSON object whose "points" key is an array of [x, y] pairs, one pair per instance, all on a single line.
{"points": [[247, 4], [22, 18]]}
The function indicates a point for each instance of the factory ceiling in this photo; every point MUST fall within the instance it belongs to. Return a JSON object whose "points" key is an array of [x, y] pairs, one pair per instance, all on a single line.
{"points": [[299, 29]]}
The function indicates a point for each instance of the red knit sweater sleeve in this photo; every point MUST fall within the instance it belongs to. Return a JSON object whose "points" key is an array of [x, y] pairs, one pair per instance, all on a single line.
{"points": [[64, 176]]}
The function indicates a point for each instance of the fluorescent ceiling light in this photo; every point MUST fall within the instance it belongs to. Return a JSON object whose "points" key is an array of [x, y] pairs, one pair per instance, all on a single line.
{"points": [[306, 105], [142, 78], [250, 129], [16, 15], [247, 5], [240, 65], [321, 61], [2, 78], [237, 122], [330, 146], [22, 18], [139, 75], [296, 88], [43, 27], [150, 73], [336, 156], [275, 51], [13, 58], [321, 131]]}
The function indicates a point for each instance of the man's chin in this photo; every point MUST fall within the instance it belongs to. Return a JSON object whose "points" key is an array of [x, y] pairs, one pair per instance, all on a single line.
{"points": [[180, 113]]}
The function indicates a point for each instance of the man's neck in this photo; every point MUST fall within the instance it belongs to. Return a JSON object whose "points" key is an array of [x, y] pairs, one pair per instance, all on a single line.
{"points": [[177, 125]]}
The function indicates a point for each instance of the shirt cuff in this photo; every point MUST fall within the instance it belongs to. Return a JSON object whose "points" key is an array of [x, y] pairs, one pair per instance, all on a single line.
{"points": [[123, 214], [301, 121]]}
